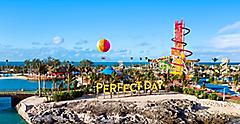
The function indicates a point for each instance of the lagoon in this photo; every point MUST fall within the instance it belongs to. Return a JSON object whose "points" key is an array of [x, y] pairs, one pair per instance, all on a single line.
{"points": [[19, 84], [8, 115]]}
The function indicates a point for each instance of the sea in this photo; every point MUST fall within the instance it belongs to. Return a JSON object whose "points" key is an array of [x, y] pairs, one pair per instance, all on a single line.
{"points": [[77, 63], [114, 63], [8, 114]]}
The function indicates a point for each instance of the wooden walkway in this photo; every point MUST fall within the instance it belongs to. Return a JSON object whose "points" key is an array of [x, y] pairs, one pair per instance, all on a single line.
{"points": [[13, 93]]}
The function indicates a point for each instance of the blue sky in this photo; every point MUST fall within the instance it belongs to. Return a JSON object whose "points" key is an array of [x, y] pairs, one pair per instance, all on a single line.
{"points": [[69, 29]]}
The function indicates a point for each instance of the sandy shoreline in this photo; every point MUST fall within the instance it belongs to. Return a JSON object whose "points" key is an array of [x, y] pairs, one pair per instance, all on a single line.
{"points": [[15, 77]]}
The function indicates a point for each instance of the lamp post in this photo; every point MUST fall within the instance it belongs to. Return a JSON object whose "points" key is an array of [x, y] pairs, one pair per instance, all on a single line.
{"points": [[146, 59], [7, 63], [131, 58], [224, 94]]}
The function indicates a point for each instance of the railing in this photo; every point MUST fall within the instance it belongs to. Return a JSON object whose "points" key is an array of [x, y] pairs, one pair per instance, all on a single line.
{"points": [[16, 92]]}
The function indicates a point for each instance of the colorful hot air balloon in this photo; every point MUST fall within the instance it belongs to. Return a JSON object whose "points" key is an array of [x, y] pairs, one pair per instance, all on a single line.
{"points": [[103, 45]]}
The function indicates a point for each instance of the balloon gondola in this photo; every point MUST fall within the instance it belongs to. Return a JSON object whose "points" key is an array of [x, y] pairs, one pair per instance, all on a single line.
{"points": [[103, 45]]}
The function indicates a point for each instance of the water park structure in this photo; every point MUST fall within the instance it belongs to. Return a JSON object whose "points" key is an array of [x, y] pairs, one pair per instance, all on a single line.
{"points": [[178, 53], [176, 62]]}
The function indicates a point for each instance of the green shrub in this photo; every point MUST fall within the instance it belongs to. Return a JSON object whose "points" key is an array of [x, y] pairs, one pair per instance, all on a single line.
{"points": [[175, 88], [197, 93], [56, 97], [205, 95], [180, 89], [171, 88], [190, 91], [212, 96], [200, 94], [75, 94], [66, 96], [219, 98], [162, 87], [185, 90], [88, 89]]}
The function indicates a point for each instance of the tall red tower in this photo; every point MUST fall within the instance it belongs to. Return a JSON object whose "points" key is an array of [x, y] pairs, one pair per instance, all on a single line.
{"points": [[178, 53]]}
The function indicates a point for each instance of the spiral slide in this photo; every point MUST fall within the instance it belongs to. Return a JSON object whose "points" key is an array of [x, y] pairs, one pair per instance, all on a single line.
{"points": [[178, 53]]}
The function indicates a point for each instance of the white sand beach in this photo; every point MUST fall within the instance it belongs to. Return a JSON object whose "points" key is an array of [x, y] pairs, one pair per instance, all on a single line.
{"points": [[15, 76]]}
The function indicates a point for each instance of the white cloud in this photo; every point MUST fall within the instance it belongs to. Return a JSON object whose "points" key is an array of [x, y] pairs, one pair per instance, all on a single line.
{"points": [[228, 37], [143, 44], [81, 42], [121, 51], [226, 41], [57, 40], [230, 28], [206, 54], [144, 51], [20, 54], [35, 43], [217, 51]]}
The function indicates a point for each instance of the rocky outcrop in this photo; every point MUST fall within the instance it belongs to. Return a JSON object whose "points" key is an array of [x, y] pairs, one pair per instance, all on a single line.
{"points": [[169, 111]]}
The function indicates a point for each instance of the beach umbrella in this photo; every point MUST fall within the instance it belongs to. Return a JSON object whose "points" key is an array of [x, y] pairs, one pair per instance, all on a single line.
{"points": [[108, 71], [103, 45]]}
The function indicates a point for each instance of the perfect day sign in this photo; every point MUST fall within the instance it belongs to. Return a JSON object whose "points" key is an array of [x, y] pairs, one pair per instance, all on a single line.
{"points": [[134, 87]]}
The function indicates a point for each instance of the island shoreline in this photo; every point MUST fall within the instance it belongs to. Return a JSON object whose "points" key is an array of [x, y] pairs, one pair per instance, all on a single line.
{"points": [[220, 107]]}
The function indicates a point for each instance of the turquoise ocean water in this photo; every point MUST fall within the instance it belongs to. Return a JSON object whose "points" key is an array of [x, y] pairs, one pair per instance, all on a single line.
{"points": [[8, 115], [77, 63], [113, 63]]}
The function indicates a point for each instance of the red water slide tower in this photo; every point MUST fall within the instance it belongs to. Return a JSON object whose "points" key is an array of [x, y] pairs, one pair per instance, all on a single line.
{"points": [[178, 53]]}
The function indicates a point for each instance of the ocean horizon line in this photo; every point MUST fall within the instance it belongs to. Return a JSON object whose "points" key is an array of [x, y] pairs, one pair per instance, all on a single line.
{"points": [[133, 61]]}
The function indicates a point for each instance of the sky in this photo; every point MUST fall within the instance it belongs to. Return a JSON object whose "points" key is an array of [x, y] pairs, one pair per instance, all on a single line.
{"points": [[70, 29]]}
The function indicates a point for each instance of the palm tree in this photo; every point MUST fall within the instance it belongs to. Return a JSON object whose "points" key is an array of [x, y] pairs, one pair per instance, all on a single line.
{"points": [[92, 77], [112, 80], [235, 81], [53, 67], [140, 58], [214, 59], [27, 64], [40, 68], [131, 58], [184, 80], [146, 58], [36, 65], [69, 68], [196, 79], [54, 82]]}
